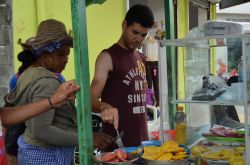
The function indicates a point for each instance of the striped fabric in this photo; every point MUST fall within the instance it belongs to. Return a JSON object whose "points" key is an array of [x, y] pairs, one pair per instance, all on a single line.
{"points": [[33, 155]]}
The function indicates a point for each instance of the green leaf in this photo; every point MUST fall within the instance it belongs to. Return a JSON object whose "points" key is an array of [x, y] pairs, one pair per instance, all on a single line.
{"points": [[90, 2]]}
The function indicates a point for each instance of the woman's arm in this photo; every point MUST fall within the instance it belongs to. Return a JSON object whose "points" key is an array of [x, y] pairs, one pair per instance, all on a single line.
{"points": [[14, 115], [47, 127]]}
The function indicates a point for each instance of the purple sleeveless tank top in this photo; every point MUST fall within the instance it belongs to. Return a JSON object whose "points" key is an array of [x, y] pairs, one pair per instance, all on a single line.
{"points": [[125, 90]]}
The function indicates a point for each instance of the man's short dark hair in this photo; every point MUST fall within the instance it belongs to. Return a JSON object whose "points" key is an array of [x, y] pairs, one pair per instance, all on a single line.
{"points": [[140, 14]]}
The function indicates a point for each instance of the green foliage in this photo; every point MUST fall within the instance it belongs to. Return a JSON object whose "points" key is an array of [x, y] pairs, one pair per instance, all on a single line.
{"points": [[90, 2]]}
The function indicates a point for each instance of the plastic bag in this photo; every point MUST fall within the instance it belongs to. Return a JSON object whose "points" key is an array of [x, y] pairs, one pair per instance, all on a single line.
{"points": [[212, 87]]}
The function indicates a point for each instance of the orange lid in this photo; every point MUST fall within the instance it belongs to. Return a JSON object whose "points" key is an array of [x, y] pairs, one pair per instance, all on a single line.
{"points": [[180, 108]]}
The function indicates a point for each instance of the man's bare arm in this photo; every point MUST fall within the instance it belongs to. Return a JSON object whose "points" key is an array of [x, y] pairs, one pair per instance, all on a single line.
{"points": [[102, 68]]}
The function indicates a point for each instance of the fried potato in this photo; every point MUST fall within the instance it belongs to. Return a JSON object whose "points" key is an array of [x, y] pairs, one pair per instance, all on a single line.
{"points": [[152, 149], [198, 150], [169, 145], [213, 156], [179, 157], [181, 153], [151, 156], [152, 152], [237, 160], [168, 151], [166, 156], [239, 151]]}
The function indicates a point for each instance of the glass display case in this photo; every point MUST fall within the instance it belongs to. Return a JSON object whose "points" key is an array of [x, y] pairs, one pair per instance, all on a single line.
{"points": [[212, 77]]}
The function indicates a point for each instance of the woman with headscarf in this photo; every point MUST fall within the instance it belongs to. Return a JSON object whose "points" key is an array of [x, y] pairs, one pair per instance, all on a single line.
{"points": [[13, 132], [50, 137], [14, 115]]}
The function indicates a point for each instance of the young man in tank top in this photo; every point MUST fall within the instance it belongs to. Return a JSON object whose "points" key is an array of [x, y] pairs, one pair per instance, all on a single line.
{"points": [[119, 80]]}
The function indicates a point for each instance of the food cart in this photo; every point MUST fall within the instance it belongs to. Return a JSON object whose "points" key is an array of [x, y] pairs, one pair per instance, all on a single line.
{"points": [[209, 96]]}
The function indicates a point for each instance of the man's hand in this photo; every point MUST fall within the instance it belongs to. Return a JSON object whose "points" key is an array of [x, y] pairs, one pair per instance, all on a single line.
{"points": [[102, 141], [66, 91], [109, 114]]}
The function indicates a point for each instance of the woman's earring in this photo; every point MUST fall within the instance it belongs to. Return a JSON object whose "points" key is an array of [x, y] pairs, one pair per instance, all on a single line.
{"points": [[51, 61]]}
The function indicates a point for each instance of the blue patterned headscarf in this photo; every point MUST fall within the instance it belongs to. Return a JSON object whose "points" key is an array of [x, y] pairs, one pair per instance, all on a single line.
{"points": [[51, 35]]}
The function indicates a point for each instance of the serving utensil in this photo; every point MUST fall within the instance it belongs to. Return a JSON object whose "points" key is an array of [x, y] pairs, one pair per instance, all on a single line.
{"points": [[118, 139]]}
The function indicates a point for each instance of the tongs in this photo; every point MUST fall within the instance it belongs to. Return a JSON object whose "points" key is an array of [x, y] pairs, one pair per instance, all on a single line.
{"points": [[118, 139]]}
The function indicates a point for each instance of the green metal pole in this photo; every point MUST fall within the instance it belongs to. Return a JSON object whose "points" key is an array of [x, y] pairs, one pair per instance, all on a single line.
{"points": [[171, 62], [85, 135]]}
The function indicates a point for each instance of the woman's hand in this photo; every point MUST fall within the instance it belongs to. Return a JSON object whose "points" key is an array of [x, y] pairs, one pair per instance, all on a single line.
{"points": [[102, 140], [66, 91]]}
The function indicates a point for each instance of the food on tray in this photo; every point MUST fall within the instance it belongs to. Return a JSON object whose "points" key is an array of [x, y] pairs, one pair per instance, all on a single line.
{"points": [[136, 152], [198, 150], [179, 157], [118, 155], [167, 151], [239, 150], [231, 155], [166, 156], [206, 143], [181, 153], [109, 156], [152, 152], [170, 146], [238, 160], [220, 155], [121, 155], [139, 150], [223, 132]]}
